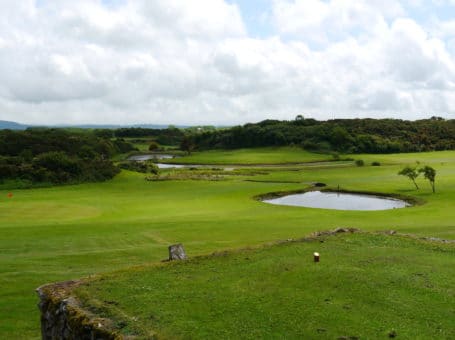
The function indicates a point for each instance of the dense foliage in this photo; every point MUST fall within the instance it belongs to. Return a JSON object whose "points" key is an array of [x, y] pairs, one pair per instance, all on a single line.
{"points": [[169, 136], [341, 135], [143, 166], [57, 156]]}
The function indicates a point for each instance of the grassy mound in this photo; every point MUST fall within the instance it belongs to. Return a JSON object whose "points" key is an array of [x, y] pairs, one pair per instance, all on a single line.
{"points": [[366, 286]]}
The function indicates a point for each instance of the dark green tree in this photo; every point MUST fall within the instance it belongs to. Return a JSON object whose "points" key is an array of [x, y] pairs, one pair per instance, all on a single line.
{"points": [[411, 173], [154, 146], [104, 133], [430, 174], [187, 144], [340, 139]]}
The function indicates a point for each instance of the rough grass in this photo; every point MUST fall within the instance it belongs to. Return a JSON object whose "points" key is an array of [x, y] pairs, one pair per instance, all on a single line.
{"points": [[366, 286], [61, 233]]}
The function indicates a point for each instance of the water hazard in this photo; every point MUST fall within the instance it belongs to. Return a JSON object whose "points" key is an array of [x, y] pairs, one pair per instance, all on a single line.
{"points": [[339, 201], [140, 158]]}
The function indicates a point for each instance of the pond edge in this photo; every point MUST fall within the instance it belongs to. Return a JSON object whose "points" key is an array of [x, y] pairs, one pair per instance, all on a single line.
{"points": [[411, 200]]}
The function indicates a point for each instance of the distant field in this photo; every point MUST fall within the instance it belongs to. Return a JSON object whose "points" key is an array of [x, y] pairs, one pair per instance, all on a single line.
{"points": [[436, 158], [366, 286], [290, 155], [142, 144], [60, 233], [278, 155]]}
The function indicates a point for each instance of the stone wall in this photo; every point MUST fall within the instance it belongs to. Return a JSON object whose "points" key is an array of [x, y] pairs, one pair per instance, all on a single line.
{"points": [[63, 318]]}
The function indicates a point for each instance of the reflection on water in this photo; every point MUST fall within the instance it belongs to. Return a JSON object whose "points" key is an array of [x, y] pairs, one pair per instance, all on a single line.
{"points": [[156, 156], [171, 166], [339, 201]]}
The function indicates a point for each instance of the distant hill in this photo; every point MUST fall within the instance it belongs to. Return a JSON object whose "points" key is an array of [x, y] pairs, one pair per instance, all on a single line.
{"points": [[101, 126], [17, 126], [4, 124]]}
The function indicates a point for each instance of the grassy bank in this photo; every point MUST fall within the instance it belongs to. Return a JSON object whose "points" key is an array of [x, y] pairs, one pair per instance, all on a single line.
{"points": [[60, 233], [366, 286]]}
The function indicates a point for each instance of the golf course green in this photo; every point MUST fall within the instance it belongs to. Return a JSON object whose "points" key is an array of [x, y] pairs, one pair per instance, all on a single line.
{"points": [[68, 232]]}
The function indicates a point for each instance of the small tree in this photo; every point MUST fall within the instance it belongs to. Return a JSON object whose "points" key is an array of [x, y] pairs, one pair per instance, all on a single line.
{"points": [[187, 145], [411, 173], [429, 173], [359, 162], [153, 168], [154, 146]]}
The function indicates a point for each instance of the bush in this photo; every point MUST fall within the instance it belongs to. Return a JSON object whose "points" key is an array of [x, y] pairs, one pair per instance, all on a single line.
{"points": [[154, 146], [359, 162], [143, 167], [123, 146], [153, 168], [55, 156], [59, 163], [376, 164]]}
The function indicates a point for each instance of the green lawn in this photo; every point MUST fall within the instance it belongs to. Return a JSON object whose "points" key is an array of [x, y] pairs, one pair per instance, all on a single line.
{"points": [[60, 233], [367, 286]]}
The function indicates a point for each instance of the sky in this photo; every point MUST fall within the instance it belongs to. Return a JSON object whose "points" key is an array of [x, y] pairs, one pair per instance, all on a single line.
{"points": [[223, 62]]}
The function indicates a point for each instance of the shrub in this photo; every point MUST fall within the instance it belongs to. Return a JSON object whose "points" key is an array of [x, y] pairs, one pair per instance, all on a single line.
{"points": [[58, 162], [143, 167], [359, 162], [123, 146], [376, 164], [154, 146], [153, 168]]}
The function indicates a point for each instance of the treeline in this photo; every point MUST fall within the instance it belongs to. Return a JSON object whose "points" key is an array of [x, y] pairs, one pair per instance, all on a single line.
{"points": [[168, 136], [339, 135], [57, 156]]}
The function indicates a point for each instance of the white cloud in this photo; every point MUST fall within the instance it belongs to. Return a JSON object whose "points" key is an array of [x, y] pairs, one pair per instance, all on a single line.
{"points": [[181, 61], [322, 21], [413, 57]]}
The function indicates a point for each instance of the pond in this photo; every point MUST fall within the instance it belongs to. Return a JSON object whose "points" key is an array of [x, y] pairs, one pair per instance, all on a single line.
{"points": [[339, 201], [150, 156], [158, 156], [172, 166], [190, 166]]}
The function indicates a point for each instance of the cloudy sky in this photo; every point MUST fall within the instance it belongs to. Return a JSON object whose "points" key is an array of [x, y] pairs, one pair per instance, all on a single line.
{"points": [[224, 61]]}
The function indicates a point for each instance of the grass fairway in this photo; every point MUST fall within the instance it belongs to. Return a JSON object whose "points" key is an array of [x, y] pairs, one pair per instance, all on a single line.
{"points": [[60, 233], [270, 155], [367, 286]]}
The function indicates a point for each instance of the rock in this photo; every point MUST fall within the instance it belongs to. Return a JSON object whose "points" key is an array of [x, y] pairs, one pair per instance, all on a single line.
{"points": [[177, 252], [345, 230], [335, 231], [437, 239]]}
